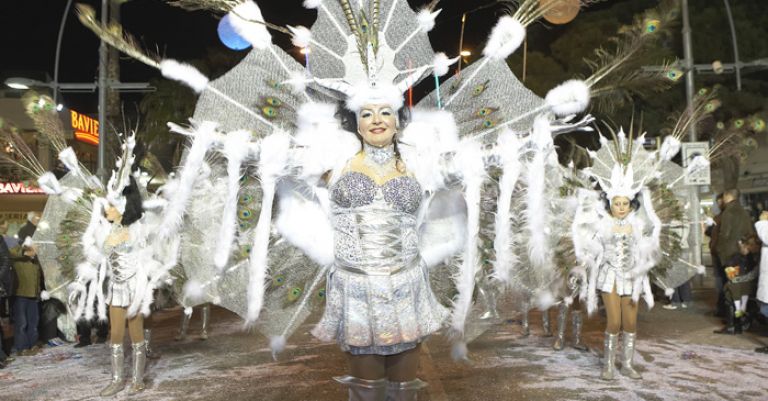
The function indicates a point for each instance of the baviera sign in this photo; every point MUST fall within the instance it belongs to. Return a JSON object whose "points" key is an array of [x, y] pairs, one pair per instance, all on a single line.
{"points": [[12, 188]]}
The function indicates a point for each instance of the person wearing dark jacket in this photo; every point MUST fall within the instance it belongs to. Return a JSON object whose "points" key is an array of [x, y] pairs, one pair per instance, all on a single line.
{"points": [[6, 283], [735, 223], [713, 232], [742, 271], [28, 230]]}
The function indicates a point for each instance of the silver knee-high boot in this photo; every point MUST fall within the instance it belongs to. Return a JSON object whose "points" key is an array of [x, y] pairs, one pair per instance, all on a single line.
{"points": [[404, 391], [184, 327], [628, 353], [577, 324], [118, 378], [562, 314], [364, 390], [609, 356], [151, 353], [545, 324], [139, 363], [206, 319]]}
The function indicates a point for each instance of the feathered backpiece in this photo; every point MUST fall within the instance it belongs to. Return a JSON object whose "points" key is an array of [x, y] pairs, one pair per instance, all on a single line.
{"points": [[121, 176]]}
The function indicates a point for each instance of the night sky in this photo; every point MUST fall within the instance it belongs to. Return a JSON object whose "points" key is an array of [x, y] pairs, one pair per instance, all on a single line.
{"points": [[29, 29]]}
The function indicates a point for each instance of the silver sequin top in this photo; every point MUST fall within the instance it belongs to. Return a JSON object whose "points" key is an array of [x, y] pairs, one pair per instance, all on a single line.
{"points": [[375, 226], [122, 265], [617, 264]]}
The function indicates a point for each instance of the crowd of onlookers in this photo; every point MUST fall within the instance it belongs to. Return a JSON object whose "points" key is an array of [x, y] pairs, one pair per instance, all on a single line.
{"points": [[737, 240]]}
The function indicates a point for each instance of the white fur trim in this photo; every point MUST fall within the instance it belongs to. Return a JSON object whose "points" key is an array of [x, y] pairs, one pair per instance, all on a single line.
{"points": [[669, 292], [44, 295], [506, 37], [301, 37], [384, 94], [310, 4], [321, 143], [426, 19], [441, 64], [570, 97], [194, 290], [443, 232], [503, 243], [188, 311], [69, 159], [305, 224], [698, 163], [700, 269], [669, 148], [255, 33], [277, 345], [459, 351], [297, 80], [427, 137], [185, 73], [49, 184]]}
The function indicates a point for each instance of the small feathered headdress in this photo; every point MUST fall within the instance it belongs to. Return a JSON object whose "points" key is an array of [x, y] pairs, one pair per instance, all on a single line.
{"points": [[121, 176]]}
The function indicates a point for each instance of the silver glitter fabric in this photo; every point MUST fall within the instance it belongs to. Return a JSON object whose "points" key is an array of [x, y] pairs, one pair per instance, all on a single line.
{"points": [[356, 189], [494, 89], [379, 155], [122, 275], [378, 295], [617, 265]]}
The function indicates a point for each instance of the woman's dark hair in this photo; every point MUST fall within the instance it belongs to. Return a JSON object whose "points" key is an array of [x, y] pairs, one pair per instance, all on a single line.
{"points": [[634, 203], [133, 204], [752, 241]]}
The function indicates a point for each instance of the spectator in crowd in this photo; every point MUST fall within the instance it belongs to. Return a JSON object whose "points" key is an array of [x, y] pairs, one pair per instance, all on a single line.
{"points": [[762, 286], [28, 230], [26, 302], [735, 223], [713, 233], [6, 285], [741, 271]]}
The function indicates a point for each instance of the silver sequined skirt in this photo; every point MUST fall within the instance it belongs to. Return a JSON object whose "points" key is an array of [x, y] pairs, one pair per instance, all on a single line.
{"points": [[380, 314], [121, 293]]}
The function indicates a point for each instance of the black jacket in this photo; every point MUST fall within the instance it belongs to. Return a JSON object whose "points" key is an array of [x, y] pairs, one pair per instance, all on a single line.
{"points": [[27, 231], [7, 277]]}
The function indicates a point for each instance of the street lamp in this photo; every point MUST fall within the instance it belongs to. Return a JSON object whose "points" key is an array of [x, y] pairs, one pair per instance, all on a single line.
{"points": [[465, 53]]}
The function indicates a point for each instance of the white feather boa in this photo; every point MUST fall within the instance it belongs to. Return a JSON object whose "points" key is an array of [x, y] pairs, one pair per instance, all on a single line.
{"points": [[174, 213], [272, 161], [469, 161], [509, 150], [537, 206], [236, 150], [303, 221]]}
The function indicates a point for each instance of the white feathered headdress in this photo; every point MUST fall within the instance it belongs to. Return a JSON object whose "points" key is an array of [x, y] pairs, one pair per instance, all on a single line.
{"points": [[121, 176]]}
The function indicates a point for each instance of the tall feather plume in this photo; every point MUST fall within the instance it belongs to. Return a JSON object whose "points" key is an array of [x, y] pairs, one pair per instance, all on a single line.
{"points": [[219, 6], [42, 111], [616, 74], [21, 156], [114, 35]]}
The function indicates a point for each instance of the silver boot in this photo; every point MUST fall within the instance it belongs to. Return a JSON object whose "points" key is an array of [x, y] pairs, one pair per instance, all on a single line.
{"points": [[546, 327], [206, 319], [562, 314], [609, 356], [184, 327], [577, 324], [404, 391], [628, 352], [118, 378], [139, 363], [364, 390], [151, 353], [524, 323]]}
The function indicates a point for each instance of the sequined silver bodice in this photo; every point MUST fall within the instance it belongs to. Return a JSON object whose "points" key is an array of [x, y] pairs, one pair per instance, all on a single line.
{"points": [[618, 252], [120, 262], [375, 225]]}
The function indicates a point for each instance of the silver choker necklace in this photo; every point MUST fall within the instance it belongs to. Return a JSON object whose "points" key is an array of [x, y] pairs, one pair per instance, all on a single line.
{"points": [[380, 156], [620, 222]]}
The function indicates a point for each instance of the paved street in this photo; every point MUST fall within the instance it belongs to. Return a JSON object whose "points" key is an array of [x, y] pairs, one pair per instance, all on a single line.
{"points": [[679, 356]]}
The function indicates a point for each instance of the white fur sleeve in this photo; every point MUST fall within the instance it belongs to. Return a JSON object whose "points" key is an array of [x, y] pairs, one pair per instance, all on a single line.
{"points": [[302, 219], [444, 230]]}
